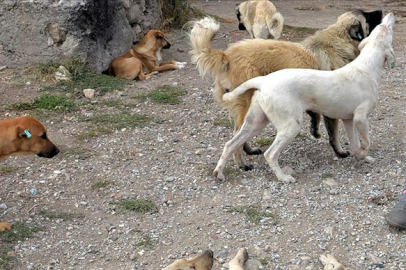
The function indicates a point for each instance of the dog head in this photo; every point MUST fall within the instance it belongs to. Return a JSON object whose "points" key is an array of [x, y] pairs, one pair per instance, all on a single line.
{"points": [[203, 261], [31, 137], [382, 37], [155, 39], [241, 25], [360, 23]]}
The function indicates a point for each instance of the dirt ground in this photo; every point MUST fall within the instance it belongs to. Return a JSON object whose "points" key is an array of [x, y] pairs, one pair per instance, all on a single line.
{"points": [[334, 207]]}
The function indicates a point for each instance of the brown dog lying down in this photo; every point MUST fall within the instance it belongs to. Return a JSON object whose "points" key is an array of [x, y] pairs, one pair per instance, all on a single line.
{"points": [[25, 136], [144, 57], [204, 261]]}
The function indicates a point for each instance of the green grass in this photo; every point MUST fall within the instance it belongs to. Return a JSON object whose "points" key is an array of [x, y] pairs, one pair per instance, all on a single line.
{"points": [[253, 213], [60, 215], [121, 120], [264, 141], [20, 231], [299, 29], [167, 94], [264, 262], [47, 102], [6, 259], [146, 242], [4, 169], [138, 205], [100, 184], [222, 122]]}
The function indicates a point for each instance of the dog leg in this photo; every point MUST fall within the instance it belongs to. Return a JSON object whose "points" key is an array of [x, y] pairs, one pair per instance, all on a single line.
{"points": [[334, 137], [237, 263], [330, 263], [255, 121], [315, 121], [352, 135], [361, 123]]}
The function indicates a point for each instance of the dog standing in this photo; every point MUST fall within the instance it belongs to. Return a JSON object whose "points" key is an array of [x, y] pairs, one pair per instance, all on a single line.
{"points": [[24, 136], [144, 57], [327, 49], [260, 19], [349, 93]]}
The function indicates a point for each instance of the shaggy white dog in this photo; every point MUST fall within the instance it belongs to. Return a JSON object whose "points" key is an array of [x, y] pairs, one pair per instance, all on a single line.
{"points": [[349, 93]]}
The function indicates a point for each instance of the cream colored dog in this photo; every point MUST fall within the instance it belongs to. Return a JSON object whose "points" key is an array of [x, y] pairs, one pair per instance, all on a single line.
{"points": [[260, 19], [349, 93]]}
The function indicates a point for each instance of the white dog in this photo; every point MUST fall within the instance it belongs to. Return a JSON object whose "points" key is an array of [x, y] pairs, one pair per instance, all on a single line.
{"points": [[349, 93]]}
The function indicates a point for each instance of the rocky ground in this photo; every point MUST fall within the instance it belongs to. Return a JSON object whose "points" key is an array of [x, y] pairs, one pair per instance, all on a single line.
{"points": [[336, 206]]}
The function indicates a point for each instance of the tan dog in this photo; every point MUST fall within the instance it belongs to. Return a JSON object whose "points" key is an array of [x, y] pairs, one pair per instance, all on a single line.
{"points": [[327, 49], [203, 261], [24, 136], [144, 57], [260, 19]]}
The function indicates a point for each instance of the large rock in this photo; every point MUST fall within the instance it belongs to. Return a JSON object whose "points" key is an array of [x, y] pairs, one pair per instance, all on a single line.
{"points": [[34, 31]]}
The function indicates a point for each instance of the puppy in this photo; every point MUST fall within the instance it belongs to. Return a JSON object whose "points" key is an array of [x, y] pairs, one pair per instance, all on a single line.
{"points": [[203, 261], [260, 19], [24, 136], [144, 57], [349, 93], [327, 49]]}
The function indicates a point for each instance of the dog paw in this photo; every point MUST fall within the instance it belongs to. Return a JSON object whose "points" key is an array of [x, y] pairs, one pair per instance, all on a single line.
{"points": [[181, 64], [219, 175], [330, 263], [344, 154], [287, 179], [369, 159]]}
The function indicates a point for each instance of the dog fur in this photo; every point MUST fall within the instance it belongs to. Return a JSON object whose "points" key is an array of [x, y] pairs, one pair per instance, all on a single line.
{"points": [[260, 19], [327, 49], [144, 57], [14, 140], [202, 261], [349, 93]]}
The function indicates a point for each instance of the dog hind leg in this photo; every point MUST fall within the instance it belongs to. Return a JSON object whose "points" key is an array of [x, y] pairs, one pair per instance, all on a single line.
{"points": [[334, 138], [315, 121]]}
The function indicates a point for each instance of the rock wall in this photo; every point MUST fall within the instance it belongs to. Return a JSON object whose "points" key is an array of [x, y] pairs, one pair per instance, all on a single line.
{"points": [[33, 31]]}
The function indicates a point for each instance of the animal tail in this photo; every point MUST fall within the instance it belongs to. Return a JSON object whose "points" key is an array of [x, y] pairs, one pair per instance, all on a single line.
{"points": [[207, 60], [275, 25], [250, 84]]}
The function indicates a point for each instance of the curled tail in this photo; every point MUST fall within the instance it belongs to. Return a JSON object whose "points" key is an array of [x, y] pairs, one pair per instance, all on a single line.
{"points": [[275, 25], [250, 84], [207, 60]]}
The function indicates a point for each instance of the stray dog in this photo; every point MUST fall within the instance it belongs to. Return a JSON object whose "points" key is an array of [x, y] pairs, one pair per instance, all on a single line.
{"points": [[144, 57], [24, 136], [260, 19], [349, 93], [203, 261], [327, 49]]}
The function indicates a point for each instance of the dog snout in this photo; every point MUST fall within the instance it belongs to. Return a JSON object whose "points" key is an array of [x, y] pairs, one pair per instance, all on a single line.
{"points": [[49, 154], [241, 26], [167, 45]]}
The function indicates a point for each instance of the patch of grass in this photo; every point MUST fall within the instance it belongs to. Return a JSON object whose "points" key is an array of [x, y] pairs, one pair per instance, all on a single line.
{"points": [[100, 184], [60, 215], [146, 242], [253, 213], [20, 231], [140, 97], [222, 122], [4, 169], [167, 94], [264, 141], [7, 258], [93, 132], [327, 175], [299, 29], [264, 262], [47, 102], [121, 120], [138, 205]]}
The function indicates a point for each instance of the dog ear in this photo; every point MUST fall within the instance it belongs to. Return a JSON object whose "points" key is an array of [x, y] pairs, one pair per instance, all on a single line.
{"points": [[390, 58], [23, 132], [356, 32]]}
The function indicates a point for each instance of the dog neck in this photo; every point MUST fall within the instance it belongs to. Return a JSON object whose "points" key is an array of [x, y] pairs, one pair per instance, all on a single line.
{"points": [[371, 61]]}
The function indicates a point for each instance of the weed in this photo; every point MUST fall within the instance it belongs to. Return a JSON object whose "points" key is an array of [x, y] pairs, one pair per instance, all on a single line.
{"points": [[222, 122], [138, 205], [253, 213], [7, 258], [19, 232], [4, 169], [327, 175], [167, 94], [100, 184], [47, 102], [264, 262], [60, 215], [140, 97], [146, 242], [264, 141]]}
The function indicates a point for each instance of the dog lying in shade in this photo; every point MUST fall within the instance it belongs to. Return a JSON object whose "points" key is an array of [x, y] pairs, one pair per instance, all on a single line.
{"points": [[349, 93]]}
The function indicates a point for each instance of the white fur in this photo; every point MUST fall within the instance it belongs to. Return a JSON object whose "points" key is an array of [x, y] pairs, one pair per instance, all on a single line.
{"points": [[349, 93]]}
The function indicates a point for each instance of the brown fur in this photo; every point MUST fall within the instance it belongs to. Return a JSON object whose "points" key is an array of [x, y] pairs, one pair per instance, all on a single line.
{"points": [[327, 49], [4, 226], [143, 57], [14, 142]]}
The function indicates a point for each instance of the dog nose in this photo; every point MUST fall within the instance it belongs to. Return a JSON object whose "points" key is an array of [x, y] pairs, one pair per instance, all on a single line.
{"points": [[209, 253]]}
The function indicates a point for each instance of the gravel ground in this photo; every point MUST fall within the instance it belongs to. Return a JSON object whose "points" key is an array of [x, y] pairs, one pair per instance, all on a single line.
{"points": [[334, 207]]}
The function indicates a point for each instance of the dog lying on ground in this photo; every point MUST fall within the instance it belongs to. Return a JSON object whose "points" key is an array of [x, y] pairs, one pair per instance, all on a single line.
{"points": [[144, 57], [349, 93], [24, 136], [260, 19], [327, 49], [204, 261]]}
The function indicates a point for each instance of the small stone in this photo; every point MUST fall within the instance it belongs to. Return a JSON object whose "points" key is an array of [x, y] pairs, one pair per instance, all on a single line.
{"points": [[330, 182], [3, 68], [89, 93], [133, 256], [62, 74], [170, 179]]}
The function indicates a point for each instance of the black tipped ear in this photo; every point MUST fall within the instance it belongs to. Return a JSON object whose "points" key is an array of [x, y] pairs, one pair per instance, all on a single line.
{"points": [[373, 19], [356, 32]]}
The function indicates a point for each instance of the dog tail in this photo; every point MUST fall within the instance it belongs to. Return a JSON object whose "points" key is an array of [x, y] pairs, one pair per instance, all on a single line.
{"points": [[254, 83], [207, 60], [275, 25]]}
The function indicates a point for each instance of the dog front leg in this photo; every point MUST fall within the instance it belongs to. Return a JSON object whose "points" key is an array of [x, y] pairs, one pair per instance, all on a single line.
{"points": [[352, 135], [362, 125], [334, 137], [238, 262], [171, 65]]}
